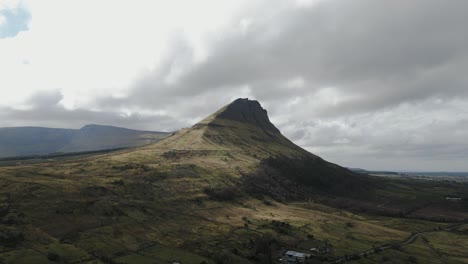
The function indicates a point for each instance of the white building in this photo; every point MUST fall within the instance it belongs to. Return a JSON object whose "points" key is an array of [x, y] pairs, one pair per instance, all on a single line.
{"points": [[295, 257]]}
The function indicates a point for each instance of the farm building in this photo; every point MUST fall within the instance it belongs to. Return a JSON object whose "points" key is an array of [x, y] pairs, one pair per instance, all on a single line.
{"points": [[295, 257]]}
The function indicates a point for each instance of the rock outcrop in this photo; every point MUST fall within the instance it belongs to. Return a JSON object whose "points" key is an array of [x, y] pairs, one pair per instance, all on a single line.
{"points": [[247, 111]]}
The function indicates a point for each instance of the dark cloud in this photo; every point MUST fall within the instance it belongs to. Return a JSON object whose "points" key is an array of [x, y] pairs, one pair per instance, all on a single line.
{"points": [[45, 99], [385, 53], [44, 109]]}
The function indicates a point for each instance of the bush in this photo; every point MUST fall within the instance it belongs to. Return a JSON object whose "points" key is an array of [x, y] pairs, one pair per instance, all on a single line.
{"points": [[53, 256], [118, 182], [281, 227], [223, 194], [263, 248], [10, 238], [396, 247], [412, 259]]}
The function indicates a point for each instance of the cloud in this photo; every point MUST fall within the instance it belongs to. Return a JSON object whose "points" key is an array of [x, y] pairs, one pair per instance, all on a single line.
{"points": [[375, 55], [44, 109], [45, 99]]}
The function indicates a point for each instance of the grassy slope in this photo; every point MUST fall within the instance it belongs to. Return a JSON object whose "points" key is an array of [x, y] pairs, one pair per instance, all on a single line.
{"points": [[106, 209]]}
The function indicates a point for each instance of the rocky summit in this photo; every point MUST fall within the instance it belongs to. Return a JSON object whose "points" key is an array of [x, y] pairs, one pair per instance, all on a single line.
{"points": [[247, 111]]}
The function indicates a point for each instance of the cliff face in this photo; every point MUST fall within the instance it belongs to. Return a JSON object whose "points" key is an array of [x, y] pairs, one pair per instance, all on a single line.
{"points": [[247, 111]]}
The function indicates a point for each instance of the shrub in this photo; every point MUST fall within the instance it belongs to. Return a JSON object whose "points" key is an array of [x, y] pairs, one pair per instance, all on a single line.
{"points": [[53, 256], [223, 194], [396, 247], [281, 227], [10, 237], [118, 182]]}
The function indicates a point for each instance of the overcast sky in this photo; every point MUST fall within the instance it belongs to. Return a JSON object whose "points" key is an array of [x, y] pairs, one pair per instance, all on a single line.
{"points": [[362, 83]]}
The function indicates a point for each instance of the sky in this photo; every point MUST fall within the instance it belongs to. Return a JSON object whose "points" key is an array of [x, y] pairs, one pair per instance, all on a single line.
{"points": [[372, 84]]}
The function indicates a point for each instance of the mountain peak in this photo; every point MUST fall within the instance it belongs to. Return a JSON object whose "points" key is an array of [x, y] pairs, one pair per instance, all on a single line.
{"points": [[247, 111], [242, 126]]}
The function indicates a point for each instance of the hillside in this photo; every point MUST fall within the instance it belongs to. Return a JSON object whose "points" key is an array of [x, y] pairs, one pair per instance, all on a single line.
{"points": [[240, 140], [230, 189], [21, 141]]}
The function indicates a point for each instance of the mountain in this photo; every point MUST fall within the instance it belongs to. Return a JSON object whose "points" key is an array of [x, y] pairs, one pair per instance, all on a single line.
{"points": [[243, 126], [229, 189], [240, 140], [21, 141]]}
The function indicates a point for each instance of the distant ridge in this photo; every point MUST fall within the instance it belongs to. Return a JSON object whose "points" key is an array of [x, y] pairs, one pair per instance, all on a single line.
{"points": [[25, 141]]}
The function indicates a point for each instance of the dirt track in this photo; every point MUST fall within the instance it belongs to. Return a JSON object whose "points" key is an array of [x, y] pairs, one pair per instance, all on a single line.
{"points": [[405, 242]]}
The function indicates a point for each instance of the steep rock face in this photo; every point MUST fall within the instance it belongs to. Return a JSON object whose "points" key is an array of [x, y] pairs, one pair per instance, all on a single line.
{"points": [[248, 111]]}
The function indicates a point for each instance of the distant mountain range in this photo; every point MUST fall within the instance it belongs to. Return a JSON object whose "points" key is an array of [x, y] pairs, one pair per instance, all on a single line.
{"points": [[411, 173], [22, 141]]}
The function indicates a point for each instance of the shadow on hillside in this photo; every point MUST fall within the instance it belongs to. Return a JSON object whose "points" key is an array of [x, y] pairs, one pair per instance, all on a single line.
{"points": [[286, 179]]}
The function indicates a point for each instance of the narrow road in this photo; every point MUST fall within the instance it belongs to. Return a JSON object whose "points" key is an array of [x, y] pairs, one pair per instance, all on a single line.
{"points": [[405, 242]]}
